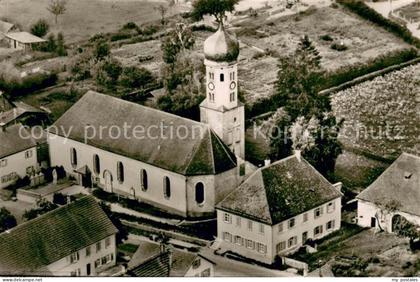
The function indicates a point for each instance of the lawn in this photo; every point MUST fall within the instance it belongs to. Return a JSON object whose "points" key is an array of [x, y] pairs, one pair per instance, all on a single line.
{"points": [[382, 116], [83, 18]]}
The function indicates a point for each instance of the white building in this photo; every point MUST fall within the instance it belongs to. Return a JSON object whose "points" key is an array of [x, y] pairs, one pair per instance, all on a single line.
{"points": [[23, 40], [277, 209], [73, 240], [395, 194], [154, 260], [176, 164], [18, 154]]}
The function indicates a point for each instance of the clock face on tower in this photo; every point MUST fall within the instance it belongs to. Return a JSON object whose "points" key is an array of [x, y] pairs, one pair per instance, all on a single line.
{"points": [[211, 86], [233, 85]]}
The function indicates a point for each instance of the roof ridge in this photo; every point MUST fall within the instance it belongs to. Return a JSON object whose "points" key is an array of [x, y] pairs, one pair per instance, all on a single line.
{"points": [[408, 154], [146, 107]]}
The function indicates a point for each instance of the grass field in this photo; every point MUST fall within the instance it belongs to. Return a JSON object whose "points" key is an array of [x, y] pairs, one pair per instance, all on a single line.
{"points": [[83, 18]]}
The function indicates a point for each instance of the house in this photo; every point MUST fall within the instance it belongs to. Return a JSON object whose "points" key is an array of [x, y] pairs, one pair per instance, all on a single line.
{"points": [[74, 240], [176, 164], [155, 260], [23, 40], [394, 195], [18, 154], [277, 209], [6, 27]]}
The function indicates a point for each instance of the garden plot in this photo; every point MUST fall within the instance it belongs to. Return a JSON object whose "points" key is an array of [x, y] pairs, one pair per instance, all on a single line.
{"points": [[363, 39], [382, 116]]}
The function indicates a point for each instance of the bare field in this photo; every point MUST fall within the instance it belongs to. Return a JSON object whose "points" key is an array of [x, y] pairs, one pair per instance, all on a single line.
{"points": [[83, 18]]}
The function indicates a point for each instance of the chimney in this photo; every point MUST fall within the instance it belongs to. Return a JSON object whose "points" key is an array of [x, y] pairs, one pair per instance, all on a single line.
{"points": [[267, 162], [298, 154]]}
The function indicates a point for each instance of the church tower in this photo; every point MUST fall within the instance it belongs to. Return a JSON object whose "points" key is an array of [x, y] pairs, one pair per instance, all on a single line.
{"points": [[221, 108]]}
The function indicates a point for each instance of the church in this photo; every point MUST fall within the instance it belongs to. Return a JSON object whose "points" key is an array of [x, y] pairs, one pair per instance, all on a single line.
{"points": [[185, 174]]}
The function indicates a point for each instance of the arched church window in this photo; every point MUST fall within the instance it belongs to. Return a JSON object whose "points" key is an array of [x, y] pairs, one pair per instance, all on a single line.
{"points": [[73, 157], [120, 172], [199, 193], [96, 164], [143, 179], [222, 77], [166, 187]]}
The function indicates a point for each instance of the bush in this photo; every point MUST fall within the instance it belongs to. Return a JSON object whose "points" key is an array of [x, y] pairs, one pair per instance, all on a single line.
{"points": [[40, 28], [7, 220], [203, 27], [339, 47], [59, 199], [20, 86], [366, 12], [326, 37], [131, 25]]}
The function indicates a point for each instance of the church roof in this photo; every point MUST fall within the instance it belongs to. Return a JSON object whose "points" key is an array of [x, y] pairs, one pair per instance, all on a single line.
{"points": [[195, 150], [221, 47], [400, 183], [13, 140], [280, 191], [31, 246]]}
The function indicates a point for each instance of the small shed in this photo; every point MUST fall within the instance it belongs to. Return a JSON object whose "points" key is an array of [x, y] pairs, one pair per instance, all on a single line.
{"points": [[23, 40]]}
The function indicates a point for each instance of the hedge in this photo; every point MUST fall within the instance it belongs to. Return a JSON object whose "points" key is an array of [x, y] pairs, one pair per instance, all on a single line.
{"points": [[370, 14], [340, 76], [28, 84]]}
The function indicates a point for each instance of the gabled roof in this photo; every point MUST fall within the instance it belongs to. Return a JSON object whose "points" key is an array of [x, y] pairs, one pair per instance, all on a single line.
{"points": [[150, 261], [196, 150], [5, 27], [400, 182], [280, 191], [15, 139], [17, 110], [31, 246], [25, 37]]}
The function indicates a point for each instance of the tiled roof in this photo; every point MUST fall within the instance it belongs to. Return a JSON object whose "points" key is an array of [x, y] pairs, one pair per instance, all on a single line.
{"points": [[400, 182], [13, 140], [31, 246], [150, 261], [25, 37], [200, 152], [280, 191]]}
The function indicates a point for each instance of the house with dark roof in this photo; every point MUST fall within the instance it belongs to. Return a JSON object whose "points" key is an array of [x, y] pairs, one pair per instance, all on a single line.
{"points": [[277, 209], [23, 40], [395, 194], [74, 240], [176, 164], [156, 260], [18, 154]]}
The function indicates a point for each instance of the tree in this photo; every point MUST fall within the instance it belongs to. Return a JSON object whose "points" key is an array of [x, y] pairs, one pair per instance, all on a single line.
{"points": [[133, 77], [44, 206], [215, 8], [298, 83], [101, 50], [162, 11], [57, 8], [60, 49], [40, 28], [107, 73], [7, 220], [51, 43]]}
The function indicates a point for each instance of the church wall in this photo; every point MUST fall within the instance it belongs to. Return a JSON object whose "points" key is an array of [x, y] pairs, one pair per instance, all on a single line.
{"points": [[60, 155]]}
